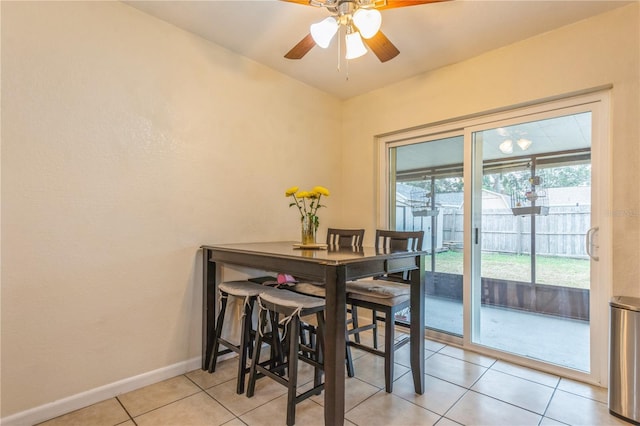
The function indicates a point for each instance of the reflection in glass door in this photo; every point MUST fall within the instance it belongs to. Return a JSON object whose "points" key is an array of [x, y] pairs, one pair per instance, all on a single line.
{"points": [[427, 194], [532, 210]]}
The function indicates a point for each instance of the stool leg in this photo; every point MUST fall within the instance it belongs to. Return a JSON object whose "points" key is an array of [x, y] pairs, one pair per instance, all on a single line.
{"points": [[389, 352], [292, 360], [374, 318], [245, 342], [216, 342], [253, 372], [348, 357], [317, 377], [354, 319]]}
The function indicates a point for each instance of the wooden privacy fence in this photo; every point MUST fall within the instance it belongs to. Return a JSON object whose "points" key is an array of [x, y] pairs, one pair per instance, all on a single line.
{"points": [[560, 233]]}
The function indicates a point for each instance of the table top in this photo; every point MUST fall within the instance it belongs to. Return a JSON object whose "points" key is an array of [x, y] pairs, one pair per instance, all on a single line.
{"points": [[330, 255]]}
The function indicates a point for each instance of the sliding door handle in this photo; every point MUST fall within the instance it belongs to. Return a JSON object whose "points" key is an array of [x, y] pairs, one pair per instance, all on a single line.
{"points": [[589, 244]]}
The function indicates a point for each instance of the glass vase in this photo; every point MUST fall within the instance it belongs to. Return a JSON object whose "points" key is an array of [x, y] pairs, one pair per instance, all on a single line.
{"points": [[308, 235]]}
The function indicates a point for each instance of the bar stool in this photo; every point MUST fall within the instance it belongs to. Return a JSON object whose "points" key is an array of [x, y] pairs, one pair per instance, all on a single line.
{"points": [[249, 292], [291, 306]]}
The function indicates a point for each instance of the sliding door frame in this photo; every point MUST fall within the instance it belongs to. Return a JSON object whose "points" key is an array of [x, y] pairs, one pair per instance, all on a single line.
{"points": [[598, 102]]}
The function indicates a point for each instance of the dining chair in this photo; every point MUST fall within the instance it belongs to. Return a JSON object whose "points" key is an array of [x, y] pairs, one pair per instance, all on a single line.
{"points": [[344, 238], [337, 239], [388, 294]]}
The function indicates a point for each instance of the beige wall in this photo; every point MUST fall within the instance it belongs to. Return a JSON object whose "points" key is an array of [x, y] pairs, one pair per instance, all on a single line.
{"points": [[604, 50], [127, 144]]}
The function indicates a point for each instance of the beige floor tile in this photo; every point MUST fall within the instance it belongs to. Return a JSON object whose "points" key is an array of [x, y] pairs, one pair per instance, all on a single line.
{"points": [[446, 422], [476, 409], [438, 395], [107, 413], [433, 346], [514, 390], [583, 389], [576, 410], [468, 356], [154, 396], [355, 391], [387, 409], [235, 422], [225, 370], [370, 368], [127, 423], [546, 421], [403, 355], [274, 413], [453, 370], [195, 410], [266, 390], [526, 373]]}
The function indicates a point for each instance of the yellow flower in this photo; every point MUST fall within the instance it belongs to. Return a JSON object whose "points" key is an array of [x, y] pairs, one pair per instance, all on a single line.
{"points": [[307, 202], [289, 192], [321, 190]]}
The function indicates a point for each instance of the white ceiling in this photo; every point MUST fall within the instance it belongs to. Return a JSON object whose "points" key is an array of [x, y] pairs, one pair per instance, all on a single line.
{"points": [[428, 36]]}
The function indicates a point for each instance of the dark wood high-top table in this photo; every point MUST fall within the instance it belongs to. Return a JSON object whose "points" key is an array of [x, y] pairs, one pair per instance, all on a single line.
{"points": [[334, 268]]}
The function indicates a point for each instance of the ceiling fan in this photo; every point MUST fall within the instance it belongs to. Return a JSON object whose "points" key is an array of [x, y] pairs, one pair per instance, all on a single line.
{"points": [[361, 20]]}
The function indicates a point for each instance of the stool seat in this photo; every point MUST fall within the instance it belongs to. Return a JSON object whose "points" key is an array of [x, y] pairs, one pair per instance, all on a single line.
{"points": [[292, 306], [292, 299], [243, 288]]}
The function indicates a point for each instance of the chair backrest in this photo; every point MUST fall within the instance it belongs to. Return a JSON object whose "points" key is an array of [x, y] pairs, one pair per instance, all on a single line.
{"points": [[392, 241], [345, 237]]}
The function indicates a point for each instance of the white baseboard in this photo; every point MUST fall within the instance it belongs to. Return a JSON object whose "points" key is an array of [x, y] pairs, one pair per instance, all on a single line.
{"points": [[92, 396]]}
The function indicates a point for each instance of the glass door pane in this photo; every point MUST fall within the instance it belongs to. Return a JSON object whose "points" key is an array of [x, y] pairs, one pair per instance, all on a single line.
{"points": [[427, 195], [533, 209]]}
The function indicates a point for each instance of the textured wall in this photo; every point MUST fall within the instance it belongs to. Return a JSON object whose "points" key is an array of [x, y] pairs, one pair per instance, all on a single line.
{"points": [[127, 143]]}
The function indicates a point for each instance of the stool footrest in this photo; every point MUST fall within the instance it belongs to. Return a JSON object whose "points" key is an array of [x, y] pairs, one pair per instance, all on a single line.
{"points": [[311, 392]]}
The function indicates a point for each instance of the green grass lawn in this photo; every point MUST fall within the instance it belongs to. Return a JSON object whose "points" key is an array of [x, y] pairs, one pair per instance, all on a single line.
{"points": [[549, 270]]}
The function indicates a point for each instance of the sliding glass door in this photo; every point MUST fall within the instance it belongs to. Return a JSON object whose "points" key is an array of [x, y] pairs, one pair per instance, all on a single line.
{"points": [[428, 195], [532, 203], [514, 207]]}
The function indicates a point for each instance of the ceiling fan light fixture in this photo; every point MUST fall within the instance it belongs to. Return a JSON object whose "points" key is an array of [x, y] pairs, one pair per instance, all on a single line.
{"points": [[368, 22], [506, 147], [323, 31], [524, 144], [355, 46]]}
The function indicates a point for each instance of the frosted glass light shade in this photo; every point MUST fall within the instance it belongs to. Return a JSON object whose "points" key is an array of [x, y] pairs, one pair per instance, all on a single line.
{"points": [[524, 144], [323, 31], [355, 46], [368, 22], [506, 147]]}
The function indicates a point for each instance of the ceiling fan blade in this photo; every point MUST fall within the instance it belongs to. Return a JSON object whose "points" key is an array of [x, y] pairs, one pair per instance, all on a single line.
{"points": [[382, 47], [392, 4], [305, 2], [302, 48]]}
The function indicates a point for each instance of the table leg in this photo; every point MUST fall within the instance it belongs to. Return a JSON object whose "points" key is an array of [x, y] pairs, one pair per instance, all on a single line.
{"points": [[334, 360], [417, 325], [208, 307]]}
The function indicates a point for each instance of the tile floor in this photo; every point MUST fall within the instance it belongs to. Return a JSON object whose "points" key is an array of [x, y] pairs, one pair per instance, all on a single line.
{"points": [[462, 388]]}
